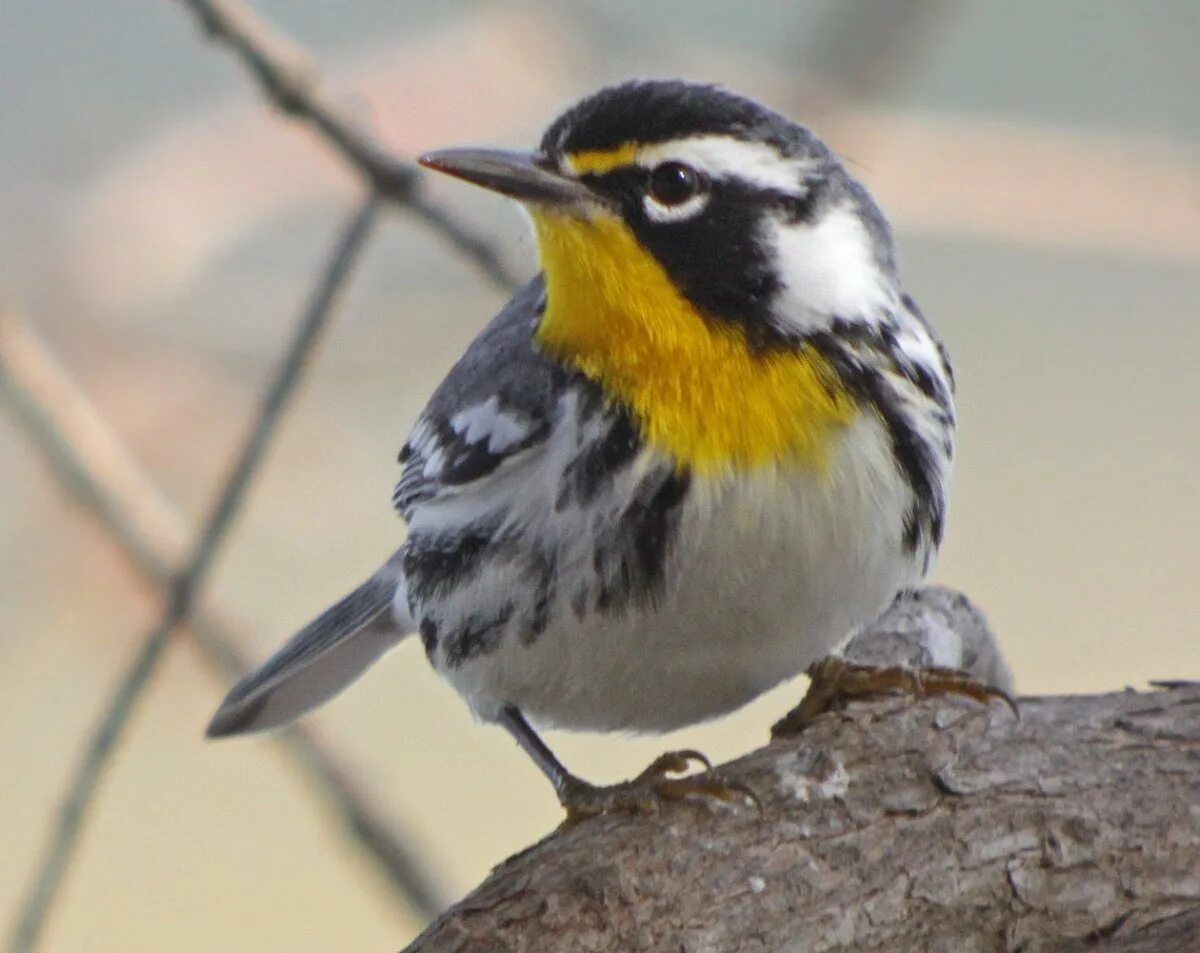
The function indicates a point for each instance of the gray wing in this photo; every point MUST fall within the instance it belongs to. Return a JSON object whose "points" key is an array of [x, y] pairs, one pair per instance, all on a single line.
{"points": [[498, 401]]}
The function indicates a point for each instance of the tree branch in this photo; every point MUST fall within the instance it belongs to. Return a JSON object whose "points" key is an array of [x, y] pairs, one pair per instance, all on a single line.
{"points": [[98, 752], [289, 78], [899, 826]]}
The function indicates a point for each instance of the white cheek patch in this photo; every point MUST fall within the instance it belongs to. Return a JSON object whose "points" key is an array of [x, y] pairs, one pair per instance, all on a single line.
{"points": [[663, 214], [721, 157], [826, 268]]}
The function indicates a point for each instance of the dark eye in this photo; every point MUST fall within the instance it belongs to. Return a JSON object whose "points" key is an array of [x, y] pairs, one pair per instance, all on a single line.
{"points": [[673, 183]]}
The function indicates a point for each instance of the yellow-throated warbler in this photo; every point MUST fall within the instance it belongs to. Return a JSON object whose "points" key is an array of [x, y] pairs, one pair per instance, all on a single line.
{"points": [[710, 439]]}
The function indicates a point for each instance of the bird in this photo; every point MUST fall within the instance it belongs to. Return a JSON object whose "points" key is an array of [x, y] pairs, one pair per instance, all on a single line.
{"points": [[711, 438]]}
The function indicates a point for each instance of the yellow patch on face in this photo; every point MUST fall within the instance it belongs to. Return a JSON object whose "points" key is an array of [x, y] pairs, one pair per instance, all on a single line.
{"points": [[696, 389], [599, 162]]}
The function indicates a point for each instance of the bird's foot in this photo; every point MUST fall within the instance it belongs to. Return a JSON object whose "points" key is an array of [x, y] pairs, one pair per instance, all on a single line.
{"points": [[647, 793], [836, 681]]}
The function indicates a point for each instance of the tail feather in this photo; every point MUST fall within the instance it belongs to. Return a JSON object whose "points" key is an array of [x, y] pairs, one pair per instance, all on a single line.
{"points": [[318, 661]]}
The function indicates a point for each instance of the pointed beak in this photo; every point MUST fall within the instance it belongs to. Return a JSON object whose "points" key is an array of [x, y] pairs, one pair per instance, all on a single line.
{"points": [[525, 176]]}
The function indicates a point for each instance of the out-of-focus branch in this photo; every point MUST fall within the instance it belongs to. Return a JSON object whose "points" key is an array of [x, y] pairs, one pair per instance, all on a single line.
{"points": [[859, 51], [290, 79], [90, 462], [84, 453], [98, 752]]}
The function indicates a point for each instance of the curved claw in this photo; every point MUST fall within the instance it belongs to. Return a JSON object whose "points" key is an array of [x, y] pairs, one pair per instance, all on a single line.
{"points": [[993, 692], [949, 681], [713, 786], [647, 792], [834, 681], [674, 762]]}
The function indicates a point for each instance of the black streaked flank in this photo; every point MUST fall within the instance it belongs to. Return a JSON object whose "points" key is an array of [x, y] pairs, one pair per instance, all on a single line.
{"points": [[435, 565], [943, 354], [429, 635], [543, 601], [477, 635], [915, 458], [881, 339], [599, 461], [924, 521], [631, 558]]}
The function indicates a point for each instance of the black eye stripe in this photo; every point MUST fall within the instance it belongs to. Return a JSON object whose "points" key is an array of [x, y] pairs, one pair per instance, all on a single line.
{"points": [[638, 178], [627, 185]]}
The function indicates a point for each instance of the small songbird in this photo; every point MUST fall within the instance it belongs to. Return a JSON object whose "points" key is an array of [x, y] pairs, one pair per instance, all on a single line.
{"points": [[710, 439]]}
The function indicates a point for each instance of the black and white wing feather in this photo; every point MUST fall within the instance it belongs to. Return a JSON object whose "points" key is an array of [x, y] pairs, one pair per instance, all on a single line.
{"points": [[497, 402]]}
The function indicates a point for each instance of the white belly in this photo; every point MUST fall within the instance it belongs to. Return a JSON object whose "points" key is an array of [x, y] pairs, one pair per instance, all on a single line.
{"points": [[767, 574]]}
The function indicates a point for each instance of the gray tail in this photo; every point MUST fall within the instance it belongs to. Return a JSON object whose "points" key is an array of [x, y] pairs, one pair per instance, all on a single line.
{"points": [[318, 661]]}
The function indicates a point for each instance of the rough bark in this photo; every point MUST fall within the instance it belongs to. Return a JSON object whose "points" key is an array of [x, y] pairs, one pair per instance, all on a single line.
{"points": [[895, 825]]}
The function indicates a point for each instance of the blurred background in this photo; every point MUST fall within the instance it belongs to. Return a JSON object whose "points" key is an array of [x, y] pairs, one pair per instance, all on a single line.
{"points": [[163, 229]]}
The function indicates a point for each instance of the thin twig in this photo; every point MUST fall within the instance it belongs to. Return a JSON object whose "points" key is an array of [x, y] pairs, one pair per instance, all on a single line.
{"points": [[91, 464], [289, 78], [80, 795]]}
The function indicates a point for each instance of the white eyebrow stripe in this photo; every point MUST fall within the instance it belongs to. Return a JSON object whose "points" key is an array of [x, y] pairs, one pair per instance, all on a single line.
{"points": [[723, 157]]}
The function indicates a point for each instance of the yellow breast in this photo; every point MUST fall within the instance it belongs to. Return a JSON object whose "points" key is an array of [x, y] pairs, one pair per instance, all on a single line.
{"points": [[696, 389]]}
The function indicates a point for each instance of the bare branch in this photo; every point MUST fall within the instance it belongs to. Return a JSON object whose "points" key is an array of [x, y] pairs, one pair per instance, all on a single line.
{"points": [[289, 78], [92, 465], [924, 827], [99, 750]]}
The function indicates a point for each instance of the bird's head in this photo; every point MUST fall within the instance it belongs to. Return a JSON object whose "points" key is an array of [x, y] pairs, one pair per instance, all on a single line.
{"points": [[659, 188]]}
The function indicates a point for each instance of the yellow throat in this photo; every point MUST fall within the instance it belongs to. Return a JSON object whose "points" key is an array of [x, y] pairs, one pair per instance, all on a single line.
{"points": [[696, 388]]}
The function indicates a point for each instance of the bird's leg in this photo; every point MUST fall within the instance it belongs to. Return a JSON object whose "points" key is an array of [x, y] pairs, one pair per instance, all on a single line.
{"points": [[644, 794], [835, 681]]}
